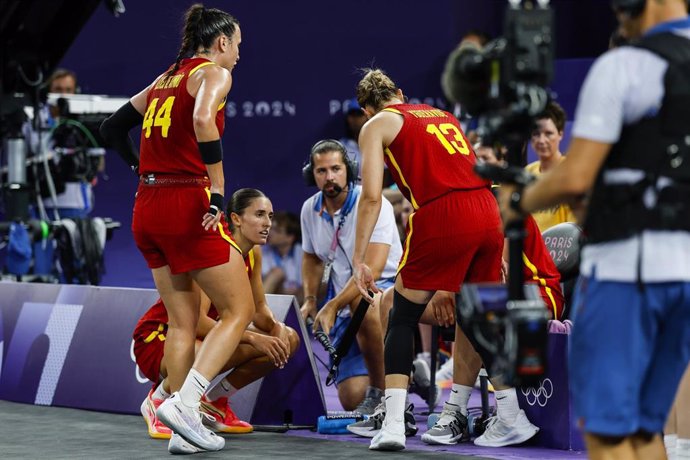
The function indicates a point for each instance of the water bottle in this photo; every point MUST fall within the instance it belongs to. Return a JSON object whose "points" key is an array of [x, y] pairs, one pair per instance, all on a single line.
{"points": [[431, 421], [336, 422]]}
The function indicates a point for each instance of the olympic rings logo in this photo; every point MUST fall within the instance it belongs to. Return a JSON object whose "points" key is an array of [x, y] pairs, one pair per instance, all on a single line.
{"points": [[539, 395]]}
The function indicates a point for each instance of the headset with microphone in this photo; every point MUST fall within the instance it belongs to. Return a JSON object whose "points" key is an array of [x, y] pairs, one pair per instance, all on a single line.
{"points": [[323, 146]]}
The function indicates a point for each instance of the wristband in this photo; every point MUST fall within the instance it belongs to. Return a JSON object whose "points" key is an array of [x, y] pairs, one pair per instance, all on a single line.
{"points": [[216, 204], [211, 152], [309, 297]]}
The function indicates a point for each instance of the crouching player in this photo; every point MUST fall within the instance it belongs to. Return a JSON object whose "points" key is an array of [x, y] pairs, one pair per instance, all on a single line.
{"points": [[267, 344]]}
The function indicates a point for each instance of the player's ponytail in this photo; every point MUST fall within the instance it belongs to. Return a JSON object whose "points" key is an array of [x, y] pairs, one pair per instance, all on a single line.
{"points": [[201, 27]]}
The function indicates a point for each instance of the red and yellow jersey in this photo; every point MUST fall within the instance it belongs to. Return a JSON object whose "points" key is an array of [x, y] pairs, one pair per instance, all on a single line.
{"points": [[430, 156], [158, 315], [538, 268], [168, 142]]}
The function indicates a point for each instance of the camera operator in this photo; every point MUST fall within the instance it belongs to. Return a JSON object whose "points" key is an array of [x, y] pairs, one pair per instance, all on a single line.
{"points": [[631, 340], [79, 159], [63, 81]]}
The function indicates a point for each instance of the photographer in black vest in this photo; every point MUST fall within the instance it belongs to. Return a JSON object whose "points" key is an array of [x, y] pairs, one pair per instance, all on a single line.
{"points": [[630, 157]]}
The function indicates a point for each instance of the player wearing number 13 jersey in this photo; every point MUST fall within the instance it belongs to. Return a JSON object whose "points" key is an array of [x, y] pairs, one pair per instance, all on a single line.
{"points": [[430, 156], [453, 236]]}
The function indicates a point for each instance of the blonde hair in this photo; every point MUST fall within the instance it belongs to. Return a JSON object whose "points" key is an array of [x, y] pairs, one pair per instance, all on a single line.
{"points": [[375, 89]]}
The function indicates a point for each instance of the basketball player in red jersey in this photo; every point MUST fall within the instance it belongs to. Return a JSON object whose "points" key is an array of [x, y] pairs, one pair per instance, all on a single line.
{"points": [[266, 345], [178, 223], [453, 236]]}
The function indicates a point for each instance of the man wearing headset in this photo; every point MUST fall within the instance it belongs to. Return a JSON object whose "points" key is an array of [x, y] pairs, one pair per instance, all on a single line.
{"points": [[630, 154], [328, 221]]}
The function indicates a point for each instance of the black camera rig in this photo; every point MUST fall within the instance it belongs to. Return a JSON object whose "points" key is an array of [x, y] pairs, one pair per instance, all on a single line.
{"points": [[504, 85]]}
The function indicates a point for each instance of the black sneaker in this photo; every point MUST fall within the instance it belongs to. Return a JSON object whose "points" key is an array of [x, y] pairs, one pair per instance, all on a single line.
{"points": [[371, 426]]}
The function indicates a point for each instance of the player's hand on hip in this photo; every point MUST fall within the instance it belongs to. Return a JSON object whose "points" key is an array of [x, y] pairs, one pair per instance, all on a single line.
{"points": [[364, 279], [211, 222]]}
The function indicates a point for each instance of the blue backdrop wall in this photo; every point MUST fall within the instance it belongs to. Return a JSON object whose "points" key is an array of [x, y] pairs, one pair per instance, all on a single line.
{"points": [[298, 63]]}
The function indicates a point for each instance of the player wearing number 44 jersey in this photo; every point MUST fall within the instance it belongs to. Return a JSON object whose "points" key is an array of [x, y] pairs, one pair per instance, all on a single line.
{"points": [[453, 236], [178, 221]]}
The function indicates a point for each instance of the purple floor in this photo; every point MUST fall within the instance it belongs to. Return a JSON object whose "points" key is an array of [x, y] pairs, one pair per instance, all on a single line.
{"points": [[524, 452]]}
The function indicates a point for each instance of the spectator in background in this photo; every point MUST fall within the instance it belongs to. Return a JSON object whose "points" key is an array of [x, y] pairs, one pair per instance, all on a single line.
{"points": [[63, 81], [282, 261], [354, 120], [546, 140], [479, 37]]}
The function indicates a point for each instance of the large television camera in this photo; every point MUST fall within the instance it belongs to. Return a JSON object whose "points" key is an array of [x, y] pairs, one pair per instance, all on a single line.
{"points": [[36, 158], [505, 83], [34, 37]]}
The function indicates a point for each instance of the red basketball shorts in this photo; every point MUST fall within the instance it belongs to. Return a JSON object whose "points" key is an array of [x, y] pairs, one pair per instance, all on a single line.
{"points": [[454, 239], [167, 229], [149, 341]]}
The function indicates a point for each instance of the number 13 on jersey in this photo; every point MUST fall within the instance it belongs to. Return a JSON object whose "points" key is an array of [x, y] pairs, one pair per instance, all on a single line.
{"points": [[450, 137], [162, 116]]}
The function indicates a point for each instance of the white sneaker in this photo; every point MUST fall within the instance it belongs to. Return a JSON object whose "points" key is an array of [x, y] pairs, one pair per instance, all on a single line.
{"points": [[186, 421], [478, 382], [498, 433], [178, 446], [421, 383], [391, 436], [444, 375]]}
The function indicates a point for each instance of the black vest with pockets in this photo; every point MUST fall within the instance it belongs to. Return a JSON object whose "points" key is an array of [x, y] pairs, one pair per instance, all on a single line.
{"points": [[659, 146]]}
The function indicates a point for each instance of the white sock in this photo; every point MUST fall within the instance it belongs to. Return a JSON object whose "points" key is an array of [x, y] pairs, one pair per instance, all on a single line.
{"points": [[682, 449], [193, 387], [507, 407], [460, 396], [159, 392], [670, 445], [395, 406], [223, 388]]}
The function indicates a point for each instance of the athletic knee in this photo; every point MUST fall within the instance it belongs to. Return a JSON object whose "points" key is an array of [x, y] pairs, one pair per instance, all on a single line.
{"points": [[402, 325], [293, 338], [385, 306], [351, 391], [242, 317], [405, 313]]}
